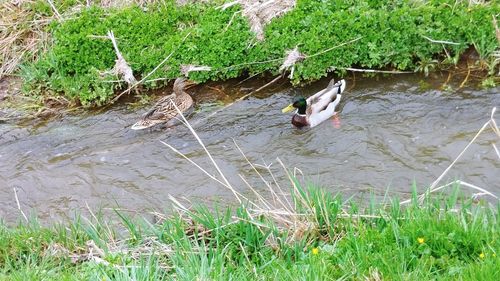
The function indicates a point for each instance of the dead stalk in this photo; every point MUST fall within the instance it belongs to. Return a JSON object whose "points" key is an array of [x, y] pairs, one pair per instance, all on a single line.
{"points": [[54, 9], [261, 198], [335, 47], [266, 85], [295, 188], [496, 150], [236, 101], [195, 164], [193, 132], [275, 196], [377, 71], [497, 30], [432, 188], [433, 185], [19, 205], [121, 68], [440, 41]]}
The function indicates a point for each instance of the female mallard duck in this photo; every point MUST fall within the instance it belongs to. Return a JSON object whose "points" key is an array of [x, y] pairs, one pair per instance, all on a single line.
{"points": [[318, 107], [164, 110]]}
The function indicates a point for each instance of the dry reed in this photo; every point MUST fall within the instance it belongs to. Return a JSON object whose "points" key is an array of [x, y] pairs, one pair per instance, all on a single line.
{"points": [[261, 12], [22, 35], [121, 69], [188, 68], [299, 218], [491, 123]]}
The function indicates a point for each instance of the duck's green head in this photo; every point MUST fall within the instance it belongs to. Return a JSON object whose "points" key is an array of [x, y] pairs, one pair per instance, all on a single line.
{"points": [[300, 104]]}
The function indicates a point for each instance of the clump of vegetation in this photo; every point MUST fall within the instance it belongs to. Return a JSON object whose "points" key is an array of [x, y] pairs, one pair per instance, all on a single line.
{"points": [[318, 237], [400, 35]]}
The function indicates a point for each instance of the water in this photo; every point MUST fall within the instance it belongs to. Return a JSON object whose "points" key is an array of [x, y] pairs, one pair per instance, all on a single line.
{"points": [[391, 134]]}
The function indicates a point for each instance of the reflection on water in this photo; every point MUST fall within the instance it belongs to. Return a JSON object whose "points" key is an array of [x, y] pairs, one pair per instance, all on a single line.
{"points": [[391, 134]]}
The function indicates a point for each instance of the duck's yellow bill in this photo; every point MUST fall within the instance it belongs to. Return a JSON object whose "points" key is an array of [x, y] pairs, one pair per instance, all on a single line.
{"points": [[288, 108]]}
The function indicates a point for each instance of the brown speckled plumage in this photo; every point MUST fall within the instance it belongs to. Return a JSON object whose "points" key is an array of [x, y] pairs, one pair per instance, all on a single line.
{"points": [[164, 110]]}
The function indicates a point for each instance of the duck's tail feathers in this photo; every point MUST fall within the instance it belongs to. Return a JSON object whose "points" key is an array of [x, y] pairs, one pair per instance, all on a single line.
{"points": [[331, 84], [340, 85], [144, 124]]}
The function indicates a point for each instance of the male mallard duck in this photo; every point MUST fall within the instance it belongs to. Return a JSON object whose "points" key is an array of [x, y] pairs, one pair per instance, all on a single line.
{"points": [[163, 111], [318, 107]]}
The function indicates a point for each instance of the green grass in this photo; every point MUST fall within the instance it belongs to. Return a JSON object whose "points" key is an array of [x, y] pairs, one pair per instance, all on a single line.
{"points": [[392, 35], [320, 238]]}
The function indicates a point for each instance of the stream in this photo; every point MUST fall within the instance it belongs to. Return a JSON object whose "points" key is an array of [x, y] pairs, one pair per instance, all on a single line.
{"points": [[391, 132]]}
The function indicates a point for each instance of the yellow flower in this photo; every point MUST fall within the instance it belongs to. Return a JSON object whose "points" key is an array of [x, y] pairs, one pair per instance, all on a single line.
{"points": [[315, 251], [420, 240], [481, 255]]}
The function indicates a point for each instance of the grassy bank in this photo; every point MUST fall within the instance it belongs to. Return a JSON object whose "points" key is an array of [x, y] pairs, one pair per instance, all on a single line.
{"points": [[332, 36], [317, 237]]}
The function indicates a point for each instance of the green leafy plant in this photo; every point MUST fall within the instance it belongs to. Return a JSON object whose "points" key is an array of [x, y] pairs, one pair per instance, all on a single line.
{"points": [[401, 35]]}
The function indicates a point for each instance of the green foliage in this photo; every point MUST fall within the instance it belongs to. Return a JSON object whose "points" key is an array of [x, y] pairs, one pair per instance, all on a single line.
{"points": [[43, 8], [393, 34], [488, 83], [443, 238]]}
